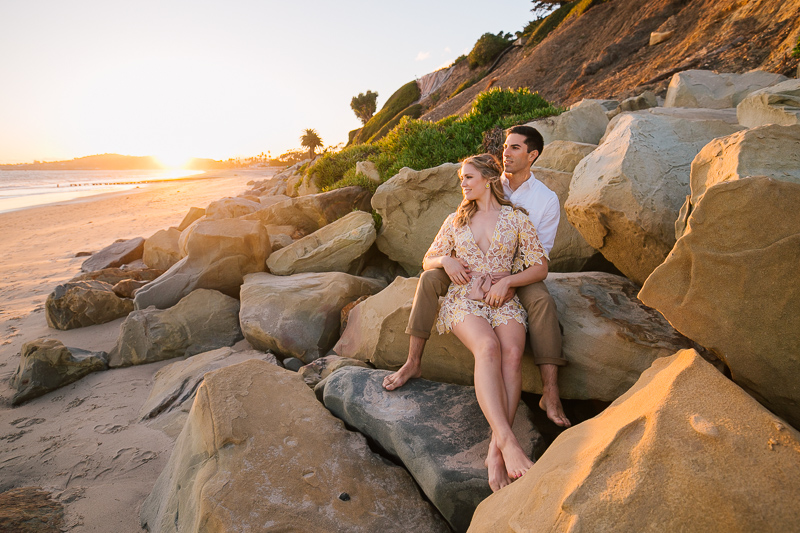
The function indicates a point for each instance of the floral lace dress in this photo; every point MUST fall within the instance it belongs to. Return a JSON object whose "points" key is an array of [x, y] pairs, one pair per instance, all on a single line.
{"points": [[514, 246]]}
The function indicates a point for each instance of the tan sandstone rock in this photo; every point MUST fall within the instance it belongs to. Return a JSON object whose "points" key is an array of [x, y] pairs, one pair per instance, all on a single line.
{"points": [[258, 451], [174, 386], [779, 104], [161, 251], [309, 213], [412, 206], [202, 321], [683, 450], [730, 284], [220, 254], [368, 169], [317, 370], [772, 151], [609, 337], [336, 247], [570, 250], [193, 214], [115, 255], [563, 156], [231, 207], [660, 37], [707, 89], [624, 196], [298, 315], [77, 304], [585, 123]]}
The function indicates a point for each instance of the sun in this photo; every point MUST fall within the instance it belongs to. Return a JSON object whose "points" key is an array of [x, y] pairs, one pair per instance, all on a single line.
{"points": [[176, 160]]}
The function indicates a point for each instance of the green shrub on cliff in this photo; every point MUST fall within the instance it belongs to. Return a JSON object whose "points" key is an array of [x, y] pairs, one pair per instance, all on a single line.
{"points": [[420, 144], [796, 49], [553, 20], [487, 48], [400, 100]]}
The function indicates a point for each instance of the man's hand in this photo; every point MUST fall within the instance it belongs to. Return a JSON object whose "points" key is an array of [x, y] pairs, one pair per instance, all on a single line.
{"points": [[457, 269]]}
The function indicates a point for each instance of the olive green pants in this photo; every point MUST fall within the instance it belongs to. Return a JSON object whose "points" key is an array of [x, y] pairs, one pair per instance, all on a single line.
{"points": [[543, 329]]}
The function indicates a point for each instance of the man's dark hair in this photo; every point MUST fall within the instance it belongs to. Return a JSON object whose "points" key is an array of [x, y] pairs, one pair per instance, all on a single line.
{"points": [[533, 139]]}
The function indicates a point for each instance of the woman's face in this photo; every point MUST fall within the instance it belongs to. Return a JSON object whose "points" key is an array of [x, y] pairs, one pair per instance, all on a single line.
{"points": [[473, 185]]}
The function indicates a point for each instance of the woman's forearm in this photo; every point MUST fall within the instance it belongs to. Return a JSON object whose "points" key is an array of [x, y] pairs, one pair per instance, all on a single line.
{"points": [[532, 274]]}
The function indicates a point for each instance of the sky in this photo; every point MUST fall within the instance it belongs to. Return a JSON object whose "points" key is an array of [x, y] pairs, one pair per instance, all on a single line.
{"points": [[179, 79]]}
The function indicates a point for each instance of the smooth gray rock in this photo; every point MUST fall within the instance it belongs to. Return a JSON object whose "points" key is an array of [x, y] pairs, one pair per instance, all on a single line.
{"points": [[46, 365], [436, 429], [114, 255], [84, 303], [298, 315], [202, 321]]}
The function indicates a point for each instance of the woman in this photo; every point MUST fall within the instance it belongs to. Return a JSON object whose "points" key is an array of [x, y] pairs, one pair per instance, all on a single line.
{"points": [[478, 246]]}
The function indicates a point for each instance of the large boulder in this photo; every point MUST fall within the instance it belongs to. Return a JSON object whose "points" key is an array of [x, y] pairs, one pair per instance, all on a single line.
{"points": [[194, 214], [175, 386], [298, 315], [202, 321], [412, 205], [337, 247], [116, 254], [609, 338], [258, 452], [161, 250], [570, 251], [707, 89], [779, 104], [77, 304], [231, 208], [625, 196], [563, 156], [682, 431], [772, 151], [219, 254], [585, 123], [436, 430], [321, 368], [729, 285], [46, 365], [725, 115], [311, 212]]}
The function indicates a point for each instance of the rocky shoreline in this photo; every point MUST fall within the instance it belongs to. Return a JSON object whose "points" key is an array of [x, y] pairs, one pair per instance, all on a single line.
{"points": [[273, 316]]}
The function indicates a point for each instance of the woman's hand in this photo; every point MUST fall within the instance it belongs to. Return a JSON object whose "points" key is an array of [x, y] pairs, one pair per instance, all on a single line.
{"points": [[497, 294], [457, 269]]}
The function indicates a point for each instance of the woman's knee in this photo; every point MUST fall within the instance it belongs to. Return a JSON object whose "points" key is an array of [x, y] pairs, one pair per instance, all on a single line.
{"points": [[512, 357], [489, 350]]}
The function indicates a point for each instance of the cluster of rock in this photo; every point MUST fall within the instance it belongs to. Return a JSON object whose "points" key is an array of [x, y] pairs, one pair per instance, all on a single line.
{"points": [[694, 197]]}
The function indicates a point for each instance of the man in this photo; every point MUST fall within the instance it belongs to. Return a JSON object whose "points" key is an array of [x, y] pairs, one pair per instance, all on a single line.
{"points": [[523, 145]]}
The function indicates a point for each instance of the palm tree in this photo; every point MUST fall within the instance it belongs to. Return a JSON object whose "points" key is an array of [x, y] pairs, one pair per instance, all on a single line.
{"points": [[311, 140]]}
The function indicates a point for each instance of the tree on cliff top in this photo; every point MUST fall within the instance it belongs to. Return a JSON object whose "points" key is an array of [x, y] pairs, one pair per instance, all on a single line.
{"points": [[311, 140], [364, 105]]}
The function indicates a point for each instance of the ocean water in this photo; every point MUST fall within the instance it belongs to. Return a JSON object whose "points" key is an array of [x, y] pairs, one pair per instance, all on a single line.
{"points": [[20, 189]]}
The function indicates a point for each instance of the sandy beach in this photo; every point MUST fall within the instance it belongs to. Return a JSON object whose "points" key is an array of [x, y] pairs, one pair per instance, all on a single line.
{"points": [[84, 442]]}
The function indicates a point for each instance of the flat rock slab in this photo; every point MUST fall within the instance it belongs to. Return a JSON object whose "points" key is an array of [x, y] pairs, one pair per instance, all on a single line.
{"points": [[682, 430], [202, 321], [437, 430], [779, 104], [46, 365], [78, 304], [114, 255], [730, 284], [175, 385], [259, 452], [707, 89]]}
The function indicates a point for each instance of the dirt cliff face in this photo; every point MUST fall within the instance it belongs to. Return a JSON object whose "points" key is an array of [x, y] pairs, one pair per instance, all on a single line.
{"points": [[605, 52]]}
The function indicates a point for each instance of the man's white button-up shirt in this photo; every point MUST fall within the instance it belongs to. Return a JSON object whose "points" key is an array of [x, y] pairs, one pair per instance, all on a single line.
{"points": [[542, 206]]}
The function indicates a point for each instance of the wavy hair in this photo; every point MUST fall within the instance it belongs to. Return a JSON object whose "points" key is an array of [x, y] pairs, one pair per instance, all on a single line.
{"points": [[490, 168]]}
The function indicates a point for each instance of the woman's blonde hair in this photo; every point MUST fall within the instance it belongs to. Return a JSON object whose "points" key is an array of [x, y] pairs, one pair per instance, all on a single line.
{"points": [[489, 167]]}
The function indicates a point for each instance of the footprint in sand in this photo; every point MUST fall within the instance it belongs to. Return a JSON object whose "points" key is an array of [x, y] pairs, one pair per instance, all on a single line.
{"points": [[26, 422], [109, 428]]}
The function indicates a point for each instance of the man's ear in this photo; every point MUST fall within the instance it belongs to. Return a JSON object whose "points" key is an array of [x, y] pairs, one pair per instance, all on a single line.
{"points": [[532, 156]]}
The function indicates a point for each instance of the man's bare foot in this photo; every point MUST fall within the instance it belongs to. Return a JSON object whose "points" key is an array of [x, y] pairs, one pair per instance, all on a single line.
{"points": [[498, 477], [517, 463], [551, 404], [396, 380]]}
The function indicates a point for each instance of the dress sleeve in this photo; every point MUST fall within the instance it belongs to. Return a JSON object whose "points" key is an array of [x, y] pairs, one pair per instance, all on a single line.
{"points": [[529, 249], [445, 241]]}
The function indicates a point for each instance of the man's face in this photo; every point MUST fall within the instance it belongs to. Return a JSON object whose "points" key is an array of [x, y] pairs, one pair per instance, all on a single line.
{"points": [[516, 157]]}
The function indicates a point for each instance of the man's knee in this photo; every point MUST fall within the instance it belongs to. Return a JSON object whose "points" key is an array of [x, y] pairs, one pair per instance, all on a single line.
{"points": [[434, 281], [536, 299]]}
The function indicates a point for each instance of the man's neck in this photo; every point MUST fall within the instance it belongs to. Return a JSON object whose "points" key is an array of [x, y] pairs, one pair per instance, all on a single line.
{"points": [[517, 179]]}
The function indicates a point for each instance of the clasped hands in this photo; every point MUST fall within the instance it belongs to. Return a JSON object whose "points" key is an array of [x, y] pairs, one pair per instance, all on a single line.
{"points": [[459, 272]]}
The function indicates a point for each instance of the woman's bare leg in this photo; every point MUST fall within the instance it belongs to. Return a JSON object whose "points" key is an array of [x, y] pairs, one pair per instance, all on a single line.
{"points": [[479, 338]]}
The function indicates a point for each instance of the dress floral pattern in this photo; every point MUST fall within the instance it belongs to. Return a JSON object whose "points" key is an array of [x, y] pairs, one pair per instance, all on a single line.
{"points": [[514, 246]]}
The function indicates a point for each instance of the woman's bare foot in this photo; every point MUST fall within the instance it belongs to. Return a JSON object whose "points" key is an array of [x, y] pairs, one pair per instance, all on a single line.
{"points": [[498, 477], [517, 463], [551, 404], [412, 369]]}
